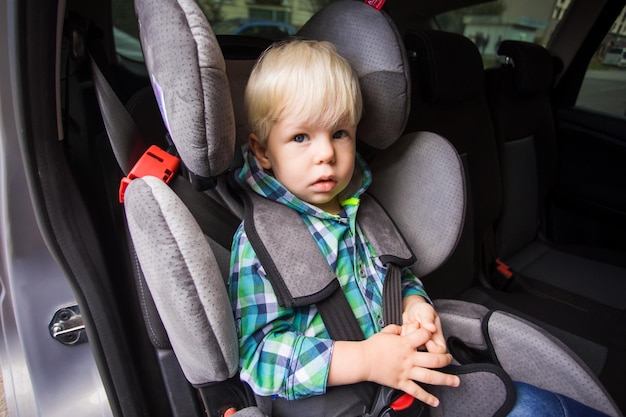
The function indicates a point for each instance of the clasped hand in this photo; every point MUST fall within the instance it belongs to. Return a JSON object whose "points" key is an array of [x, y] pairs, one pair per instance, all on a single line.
{"points": [[420, 348], [398, 356]]}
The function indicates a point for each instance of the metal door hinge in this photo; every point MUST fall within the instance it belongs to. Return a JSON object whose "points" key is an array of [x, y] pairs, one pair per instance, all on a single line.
{"points": [[67, 326]]}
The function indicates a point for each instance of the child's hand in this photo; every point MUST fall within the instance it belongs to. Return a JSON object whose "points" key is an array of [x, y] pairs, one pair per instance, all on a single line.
{"points": [[395, 361], [420, 314]]}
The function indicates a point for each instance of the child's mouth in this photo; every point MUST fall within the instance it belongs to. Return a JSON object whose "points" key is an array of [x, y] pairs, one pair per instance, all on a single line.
{"points": [[324, 185]]}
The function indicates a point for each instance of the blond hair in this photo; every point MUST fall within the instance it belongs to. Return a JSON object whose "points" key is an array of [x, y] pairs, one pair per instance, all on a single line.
{"points": [[307, 78]]}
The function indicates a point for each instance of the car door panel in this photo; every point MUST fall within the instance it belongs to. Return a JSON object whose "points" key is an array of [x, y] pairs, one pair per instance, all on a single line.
{"points": [[590, 201]]}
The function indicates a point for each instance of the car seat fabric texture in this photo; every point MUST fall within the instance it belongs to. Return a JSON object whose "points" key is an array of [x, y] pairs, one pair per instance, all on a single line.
{"points": [[378, 59], [420, 182], [525, 351], [190, 83], [184, 280]]}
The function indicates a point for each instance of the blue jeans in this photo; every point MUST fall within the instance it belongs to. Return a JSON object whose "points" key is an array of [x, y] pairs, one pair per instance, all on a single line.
{"points": [[533, 401]]}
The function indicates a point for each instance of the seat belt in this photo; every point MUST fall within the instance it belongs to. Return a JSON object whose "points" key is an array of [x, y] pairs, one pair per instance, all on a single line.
{"points": [[136, 159], [126, 140]]}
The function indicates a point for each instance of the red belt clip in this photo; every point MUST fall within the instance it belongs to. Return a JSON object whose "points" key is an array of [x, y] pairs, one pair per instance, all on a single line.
{"points": [[377, 4], [154, 162], [402, 403], [504, 269]]}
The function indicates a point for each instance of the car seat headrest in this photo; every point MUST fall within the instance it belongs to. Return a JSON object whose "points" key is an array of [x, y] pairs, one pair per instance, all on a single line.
{"points": [[188, 76], [370, 42], [534, 67], [449, 67]]}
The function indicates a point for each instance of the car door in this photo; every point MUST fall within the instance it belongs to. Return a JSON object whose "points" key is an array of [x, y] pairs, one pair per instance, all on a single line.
{"points": [[48, 368], [590, 105]]}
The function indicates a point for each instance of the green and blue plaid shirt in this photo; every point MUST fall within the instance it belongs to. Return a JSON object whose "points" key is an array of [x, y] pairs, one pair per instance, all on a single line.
{"points": [[286, 352]]}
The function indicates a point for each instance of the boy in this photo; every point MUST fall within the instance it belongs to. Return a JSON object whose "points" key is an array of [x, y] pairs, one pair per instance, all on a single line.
{"points": [[303, 104]]}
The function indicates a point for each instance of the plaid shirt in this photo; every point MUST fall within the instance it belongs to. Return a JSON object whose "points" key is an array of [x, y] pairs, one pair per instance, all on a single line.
{"points": [[287, 351]]}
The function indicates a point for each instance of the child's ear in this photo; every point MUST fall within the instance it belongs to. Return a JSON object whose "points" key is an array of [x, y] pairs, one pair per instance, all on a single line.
{"points": [[260, 151]]}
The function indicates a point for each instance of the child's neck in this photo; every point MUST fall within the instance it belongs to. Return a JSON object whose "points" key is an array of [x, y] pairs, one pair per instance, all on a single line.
{"points": [[331, 207]]}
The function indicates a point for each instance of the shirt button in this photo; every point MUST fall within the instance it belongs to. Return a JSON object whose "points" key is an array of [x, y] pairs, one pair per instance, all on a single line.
{"points": [[381, 322]]}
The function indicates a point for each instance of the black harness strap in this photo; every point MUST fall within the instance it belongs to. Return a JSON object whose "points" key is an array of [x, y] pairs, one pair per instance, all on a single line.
{"points": [[341, 324], [215, 220], [392, 295], [338, 317], [126, 140], [301, 276]]}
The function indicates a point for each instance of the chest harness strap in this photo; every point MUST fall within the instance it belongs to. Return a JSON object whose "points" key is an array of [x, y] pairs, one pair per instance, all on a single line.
{"points": [[300, 276]]}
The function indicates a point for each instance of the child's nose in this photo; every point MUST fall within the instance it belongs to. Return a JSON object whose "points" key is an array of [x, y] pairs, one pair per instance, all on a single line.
{"points": [[325, 150]]}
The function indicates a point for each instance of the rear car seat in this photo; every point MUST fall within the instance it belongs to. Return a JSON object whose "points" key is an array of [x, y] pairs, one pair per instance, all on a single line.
{"points": [[590, 279], [519, 97]]}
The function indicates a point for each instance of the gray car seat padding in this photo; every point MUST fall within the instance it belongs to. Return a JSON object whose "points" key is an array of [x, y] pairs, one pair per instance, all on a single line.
{"points": [[528, 354], [420, 182], [279, 237], [184, 280], [525, 351], [377, 56], [188, 76], [485, 390]]}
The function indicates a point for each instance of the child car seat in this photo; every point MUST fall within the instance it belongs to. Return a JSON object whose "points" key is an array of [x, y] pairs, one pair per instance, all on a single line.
{"points": [[183, 277]]}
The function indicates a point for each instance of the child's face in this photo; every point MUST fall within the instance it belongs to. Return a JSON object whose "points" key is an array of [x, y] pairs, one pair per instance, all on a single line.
{"points": [[315, 163]]}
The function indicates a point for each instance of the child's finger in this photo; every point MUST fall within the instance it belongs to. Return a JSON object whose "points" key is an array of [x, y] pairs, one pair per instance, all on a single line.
{"points": [[422, 395], [392, 329], [430, 326], [430, 377], [419, 337], [434, 347]]}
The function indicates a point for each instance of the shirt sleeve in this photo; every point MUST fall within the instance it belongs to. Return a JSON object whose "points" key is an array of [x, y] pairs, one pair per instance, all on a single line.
{"points": [[411, 285], [278, 356]]}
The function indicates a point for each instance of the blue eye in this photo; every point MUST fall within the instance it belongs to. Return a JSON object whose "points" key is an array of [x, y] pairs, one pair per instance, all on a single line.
{"points": [[340, 134], [299, 138]]}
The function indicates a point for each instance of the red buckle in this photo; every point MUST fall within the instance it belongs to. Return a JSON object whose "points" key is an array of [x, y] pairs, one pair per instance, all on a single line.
{"points": [[229, 412], [377, 4], [504, 269], [154, 162], [403, 402]]}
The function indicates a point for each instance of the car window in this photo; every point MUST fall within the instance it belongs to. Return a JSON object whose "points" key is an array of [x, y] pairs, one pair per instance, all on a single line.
{"points": [[270, 19], [267, 31], [490, 23], [125, 31], [604, 85]]}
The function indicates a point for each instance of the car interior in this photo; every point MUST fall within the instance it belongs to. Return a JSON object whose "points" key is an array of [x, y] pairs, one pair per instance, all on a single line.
{"points": [[544, 186]]}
